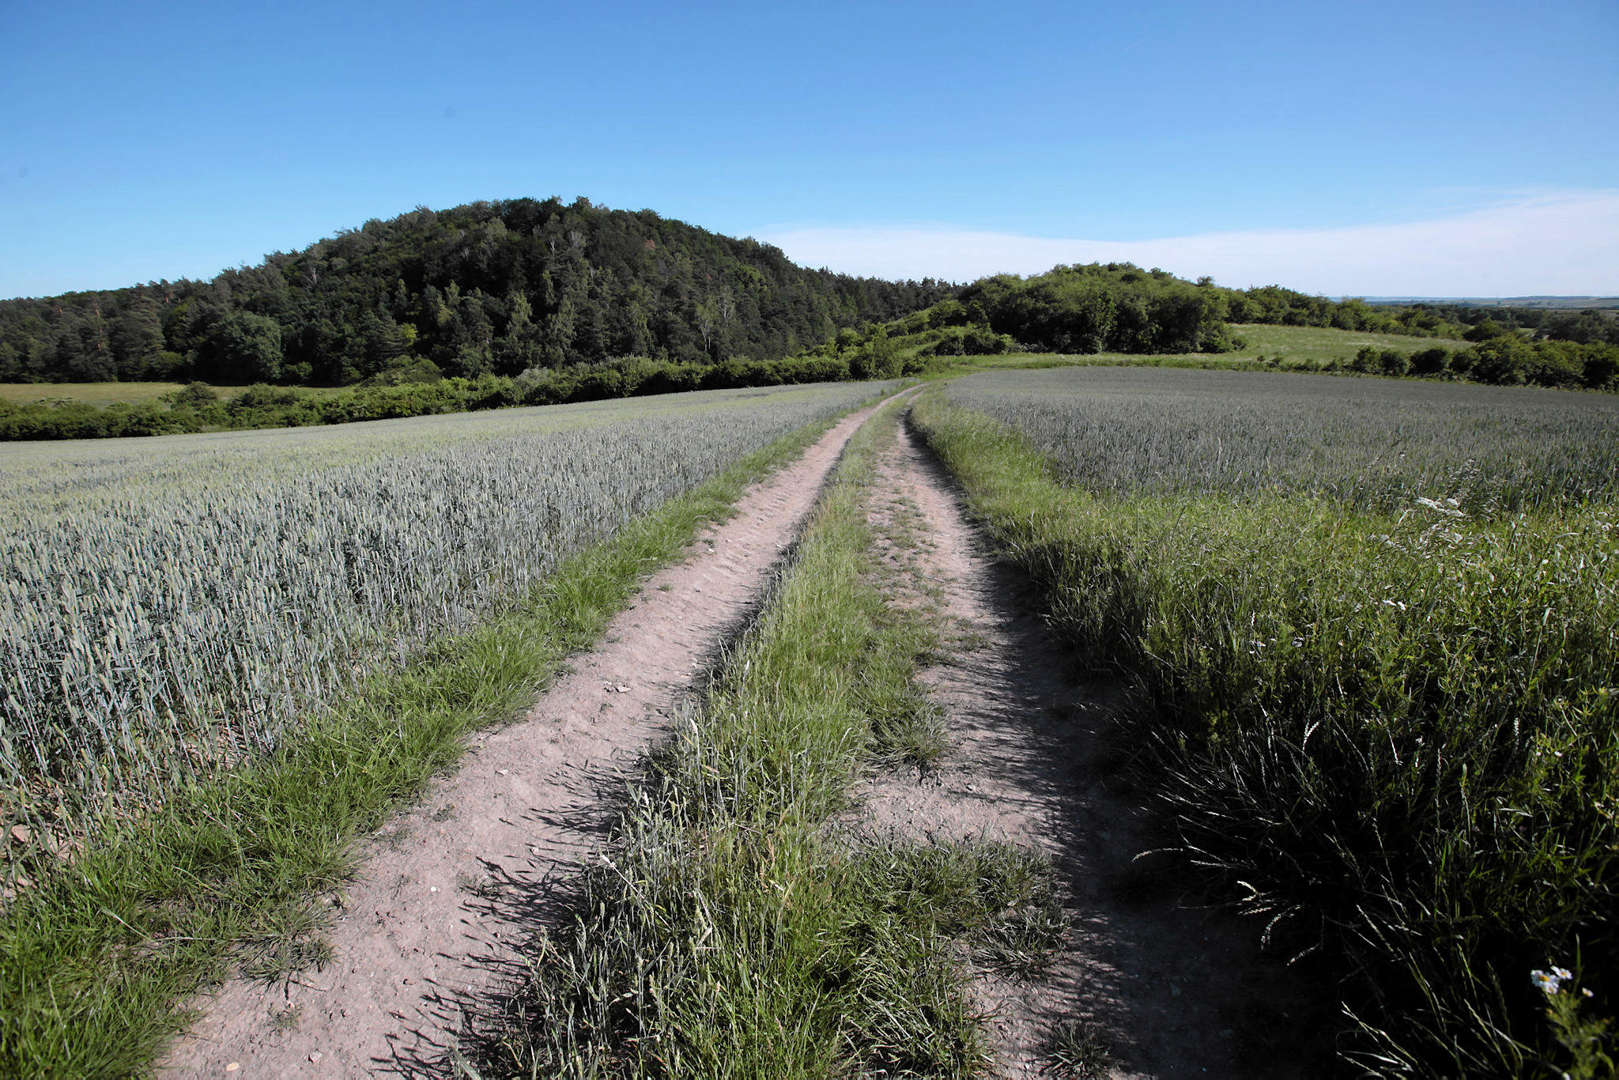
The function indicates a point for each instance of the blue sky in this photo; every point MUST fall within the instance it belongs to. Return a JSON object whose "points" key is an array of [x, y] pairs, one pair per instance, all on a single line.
{"points": [[1375, 148]]}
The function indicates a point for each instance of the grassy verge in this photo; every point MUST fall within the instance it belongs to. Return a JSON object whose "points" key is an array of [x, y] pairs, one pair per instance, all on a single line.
{"points": [[94, 962], [733, 931], [1394, 737]]}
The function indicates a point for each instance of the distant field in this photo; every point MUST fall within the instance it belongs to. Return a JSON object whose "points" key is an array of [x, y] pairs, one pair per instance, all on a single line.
{"points": [[111, 393], [1326, 343], [1296, 346], [1289, 343], [96, 393]]}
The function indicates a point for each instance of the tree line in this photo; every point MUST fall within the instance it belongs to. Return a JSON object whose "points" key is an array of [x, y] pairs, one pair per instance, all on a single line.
{"points": [[199, 407], [1507, 359], [490, 288]]}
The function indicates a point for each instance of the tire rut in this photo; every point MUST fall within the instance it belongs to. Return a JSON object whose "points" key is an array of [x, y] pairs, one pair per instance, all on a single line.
{"points": [[1170, 988], [448, 890]]}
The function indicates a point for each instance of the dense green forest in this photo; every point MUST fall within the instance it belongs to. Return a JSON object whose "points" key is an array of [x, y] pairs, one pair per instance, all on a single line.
{"points": [[500, 288], [487, 288]]}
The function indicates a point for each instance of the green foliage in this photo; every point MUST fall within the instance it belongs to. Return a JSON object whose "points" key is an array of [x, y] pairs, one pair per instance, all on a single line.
{"points": [[1096, 308], [1374, 690], [193, 395], [487, 288], [1286, 307], [407, 369], [877, 358], [970, 340], [1511, 360]]}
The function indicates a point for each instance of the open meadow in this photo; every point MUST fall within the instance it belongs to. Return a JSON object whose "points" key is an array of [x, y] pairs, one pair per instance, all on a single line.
{"points": [[102, 394], [1305, 348], [1325, 343]]}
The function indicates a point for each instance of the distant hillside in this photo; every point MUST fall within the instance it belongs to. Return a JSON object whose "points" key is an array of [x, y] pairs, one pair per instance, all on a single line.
{"points": [[1585, 320], [485, 288], [1115, 308], [1549, 303]]}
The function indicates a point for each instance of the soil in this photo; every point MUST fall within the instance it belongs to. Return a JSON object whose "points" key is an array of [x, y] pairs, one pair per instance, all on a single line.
{"points": [[426, 925], [1165, 985]]}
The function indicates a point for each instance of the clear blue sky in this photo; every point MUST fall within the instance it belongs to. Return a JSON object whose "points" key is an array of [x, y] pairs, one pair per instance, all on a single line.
{"points": [[148, 141]]}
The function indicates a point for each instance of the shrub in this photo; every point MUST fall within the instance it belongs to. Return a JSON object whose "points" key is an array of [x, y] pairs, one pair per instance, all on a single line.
{"points": [[196, 395], [1430, 361]]}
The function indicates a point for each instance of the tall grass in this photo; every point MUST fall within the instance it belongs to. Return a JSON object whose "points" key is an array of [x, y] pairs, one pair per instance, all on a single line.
{"points": [[1387, 720]]}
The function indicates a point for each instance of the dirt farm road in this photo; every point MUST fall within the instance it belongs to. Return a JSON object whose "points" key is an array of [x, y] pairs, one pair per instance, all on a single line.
{"points": [[527, 806]]}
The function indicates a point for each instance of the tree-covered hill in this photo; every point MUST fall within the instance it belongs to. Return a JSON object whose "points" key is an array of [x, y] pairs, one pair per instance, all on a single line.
{"points": [[497, 287], [1121, 308]]}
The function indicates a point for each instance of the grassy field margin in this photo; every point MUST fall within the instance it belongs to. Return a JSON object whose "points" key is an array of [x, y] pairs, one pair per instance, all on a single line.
{"points": [[1394, 740], [733, 930], [94, 962]]}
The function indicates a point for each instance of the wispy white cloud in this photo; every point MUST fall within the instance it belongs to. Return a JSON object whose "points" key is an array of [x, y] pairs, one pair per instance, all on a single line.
{"points": [[1560, 243]]}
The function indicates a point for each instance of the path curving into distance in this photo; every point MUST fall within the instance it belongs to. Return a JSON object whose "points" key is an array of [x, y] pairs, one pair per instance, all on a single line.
{"points": [[428, 923]]}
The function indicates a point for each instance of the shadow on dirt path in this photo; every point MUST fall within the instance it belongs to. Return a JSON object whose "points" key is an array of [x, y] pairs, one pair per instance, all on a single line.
{"points": [[1168, 987]]}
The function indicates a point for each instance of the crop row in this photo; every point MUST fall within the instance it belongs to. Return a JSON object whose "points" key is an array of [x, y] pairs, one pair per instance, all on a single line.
{"points": [[171, 605], [1368, 444]]}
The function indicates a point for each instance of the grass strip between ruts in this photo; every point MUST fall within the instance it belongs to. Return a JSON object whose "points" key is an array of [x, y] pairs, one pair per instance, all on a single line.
{"points": [[733, 929], [95, 963]]}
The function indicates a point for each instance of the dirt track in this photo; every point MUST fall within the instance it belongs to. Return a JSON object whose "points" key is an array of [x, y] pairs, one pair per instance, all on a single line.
{"points": [[423, 929], [450, 888], [1171, 989]]}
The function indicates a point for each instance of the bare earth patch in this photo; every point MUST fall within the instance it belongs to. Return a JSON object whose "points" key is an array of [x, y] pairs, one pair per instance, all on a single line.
{"points": [[429, 923], [1169, 989]]}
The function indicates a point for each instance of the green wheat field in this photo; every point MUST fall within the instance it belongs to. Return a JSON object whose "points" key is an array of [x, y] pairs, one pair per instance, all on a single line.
{"points": [[1368, 629]]}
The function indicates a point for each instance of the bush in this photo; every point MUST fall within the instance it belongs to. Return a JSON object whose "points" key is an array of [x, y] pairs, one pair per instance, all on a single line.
{"points": [[1367, 360], [407, 369], [196, 395], [971, 340], [1430, 361], [1501, 361], [1601, 370]]}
